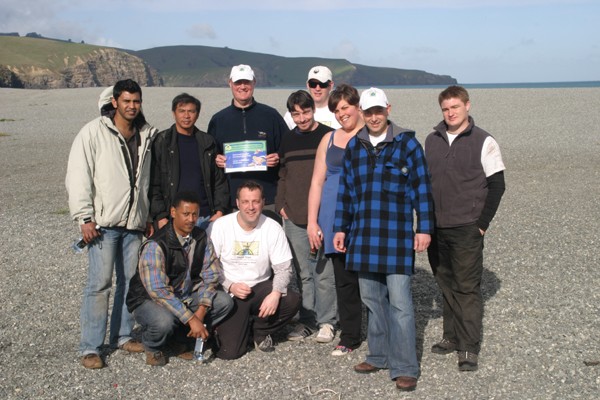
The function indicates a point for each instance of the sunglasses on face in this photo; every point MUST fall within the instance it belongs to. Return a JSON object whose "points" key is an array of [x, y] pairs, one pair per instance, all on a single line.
{"points": [[314, 84]]}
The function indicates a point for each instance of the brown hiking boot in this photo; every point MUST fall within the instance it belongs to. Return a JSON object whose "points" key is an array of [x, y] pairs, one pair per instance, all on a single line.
{"points": [[156, 359], [365, 368], [92, 361], [181, 350], [406, 383], [132, 346]]}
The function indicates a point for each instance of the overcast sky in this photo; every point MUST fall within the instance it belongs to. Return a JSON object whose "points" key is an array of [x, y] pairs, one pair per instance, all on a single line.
{"points": [[474, 41]]}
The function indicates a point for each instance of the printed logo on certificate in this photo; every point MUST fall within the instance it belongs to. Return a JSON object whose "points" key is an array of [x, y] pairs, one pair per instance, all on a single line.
{"points": [[248, 155]]}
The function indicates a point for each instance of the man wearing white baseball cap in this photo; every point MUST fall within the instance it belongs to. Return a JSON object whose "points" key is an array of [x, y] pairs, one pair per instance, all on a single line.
{"points": [[319, 84], [384, 180], [246, 119]]}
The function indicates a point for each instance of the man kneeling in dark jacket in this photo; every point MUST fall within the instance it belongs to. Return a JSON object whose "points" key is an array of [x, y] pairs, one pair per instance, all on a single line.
{"points": [[175, 292]]}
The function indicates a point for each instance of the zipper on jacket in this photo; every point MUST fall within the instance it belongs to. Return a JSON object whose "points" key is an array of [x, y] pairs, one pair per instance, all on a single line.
{"points": [[244, 120], [128, 161]]}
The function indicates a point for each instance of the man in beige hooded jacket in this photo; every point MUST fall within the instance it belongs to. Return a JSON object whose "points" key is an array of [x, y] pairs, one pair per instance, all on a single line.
{"points": [[107, 182]]}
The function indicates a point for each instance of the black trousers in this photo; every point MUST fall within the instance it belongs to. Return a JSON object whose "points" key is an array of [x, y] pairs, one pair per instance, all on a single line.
{"points": [[456, 259], [243, 324], [348, 302]]}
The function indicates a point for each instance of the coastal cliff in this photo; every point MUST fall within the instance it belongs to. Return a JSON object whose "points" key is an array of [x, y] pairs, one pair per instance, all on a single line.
{"points": [[36, 62], [100, 67]]}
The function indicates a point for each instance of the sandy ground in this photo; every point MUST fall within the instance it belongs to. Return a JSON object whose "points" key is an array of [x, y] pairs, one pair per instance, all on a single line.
{"points": [[541, 278]]}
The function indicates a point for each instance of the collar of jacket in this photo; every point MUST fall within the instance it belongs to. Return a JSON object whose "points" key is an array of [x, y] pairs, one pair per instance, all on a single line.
{"points": [[442, 128], [172, 240], [146, 131], [252, 104], [175, 134], [393, 133]]}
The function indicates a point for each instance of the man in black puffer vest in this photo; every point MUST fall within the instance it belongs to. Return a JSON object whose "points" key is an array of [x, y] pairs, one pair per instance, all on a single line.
{"points": [[175, 291]]}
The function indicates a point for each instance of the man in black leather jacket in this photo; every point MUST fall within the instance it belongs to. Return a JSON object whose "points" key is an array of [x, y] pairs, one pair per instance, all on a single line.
{"points": [[183, 159]]}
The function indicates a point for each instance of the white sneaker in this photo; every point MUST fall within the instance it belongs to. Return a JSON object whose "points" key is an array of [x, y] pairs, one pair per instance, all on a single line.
{"points": [[326, 334], [341, 351]]}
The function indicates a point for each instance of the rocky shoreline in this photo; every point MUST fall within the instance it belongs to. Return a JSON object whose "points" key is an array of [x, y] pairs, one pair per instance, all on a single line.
{"points": [[541, 277]]}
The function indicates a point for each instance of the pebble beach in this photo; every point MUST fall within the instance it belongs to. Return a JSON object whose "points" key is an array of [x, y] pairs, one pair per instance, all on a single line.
{"points": [[541, 281]]}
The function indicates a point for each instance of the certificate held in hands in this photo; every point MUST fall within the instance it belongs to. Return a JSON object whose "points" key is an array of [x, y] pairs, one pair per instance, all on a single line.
{"points": [[247, 155]]}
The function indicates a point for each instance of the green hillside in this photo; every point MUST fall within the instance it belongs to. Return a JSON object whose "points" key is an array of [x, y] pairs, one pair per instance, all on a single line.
{"points": [[27, 61], [41, 53], [210, 66]]}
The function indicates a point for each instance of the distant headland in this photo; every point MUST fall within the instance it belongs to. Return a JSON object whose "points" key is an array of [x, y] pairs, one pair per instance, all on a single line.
{"points": [[37, 62]]}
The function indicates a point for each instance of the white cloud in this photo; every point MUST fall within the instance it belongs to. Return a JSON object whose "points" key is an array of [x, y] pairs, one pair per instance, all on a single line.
{"points": [[39, 16], [344, 49], [108, 42], [202, 31]]}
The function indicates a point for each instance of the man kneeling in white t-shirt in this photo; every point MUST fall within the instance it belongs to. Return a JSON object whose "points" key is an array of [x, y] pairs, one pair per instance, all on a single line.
{"points": [[256, 260]]}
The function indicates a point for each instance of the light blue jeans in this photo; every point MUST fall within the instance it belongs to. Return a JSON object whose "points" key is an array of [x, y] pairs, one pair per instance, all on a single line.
{"points": [[159, 324], [391, 329], [317, 280], [116, 249]]}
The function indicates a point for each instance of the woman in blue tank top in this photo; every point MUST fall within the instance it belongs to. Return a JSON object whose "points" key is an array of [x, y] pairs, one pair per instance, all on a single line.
{"points": [[322, 198]]}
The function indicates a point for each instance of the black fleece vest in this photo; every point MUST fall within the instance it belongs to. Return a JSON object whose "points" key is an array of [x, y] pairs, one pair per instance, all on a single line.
{"points": [[175, 263], [458, 181]]}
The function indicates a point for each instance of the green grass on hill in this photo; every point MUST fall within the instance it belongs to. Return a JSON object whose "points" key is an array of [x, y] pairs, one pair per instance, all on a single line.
{"points": [[43, 53], [180, 65], [210, 66]]}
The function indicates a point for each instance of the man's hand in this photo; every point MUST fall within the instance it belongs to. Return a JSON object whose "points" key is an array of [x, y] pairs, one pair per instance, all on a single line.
{"points": [[422, 241], [338, 242], [162, 222], [220, 160], [89, 232], [269, 305], [197, 328], [240, 290], [272, 159]]}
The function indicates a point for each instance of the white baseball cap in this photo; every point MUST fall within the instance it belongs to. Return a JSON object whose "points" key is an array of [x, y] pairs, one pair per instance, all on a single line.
{"points": [[320, 73], [373, 97], [241, 72]]}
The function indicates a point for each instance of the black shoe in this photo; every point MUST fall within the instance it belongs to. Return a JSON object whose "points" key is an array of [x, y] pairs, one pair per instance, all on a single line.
{"points": [[443, 347], [156, 358], [467, 361], [266, 345]]}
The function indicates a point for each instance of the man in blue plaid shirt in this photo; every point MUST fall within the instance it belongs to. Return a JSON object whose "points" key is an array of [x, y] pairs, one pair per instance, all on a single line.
{"points": [[384, 179]]}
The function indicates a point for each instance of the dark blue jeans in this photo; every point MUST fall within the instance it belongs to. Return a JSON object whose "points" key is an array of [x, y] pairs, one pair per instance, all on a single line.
{"points": [[456, 259], [159, 324]]}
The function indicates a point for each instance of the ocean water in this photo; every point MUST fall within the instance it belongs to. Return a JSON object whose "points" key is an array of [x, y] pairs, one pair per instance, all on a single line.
{"points": [[517, 85]]}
